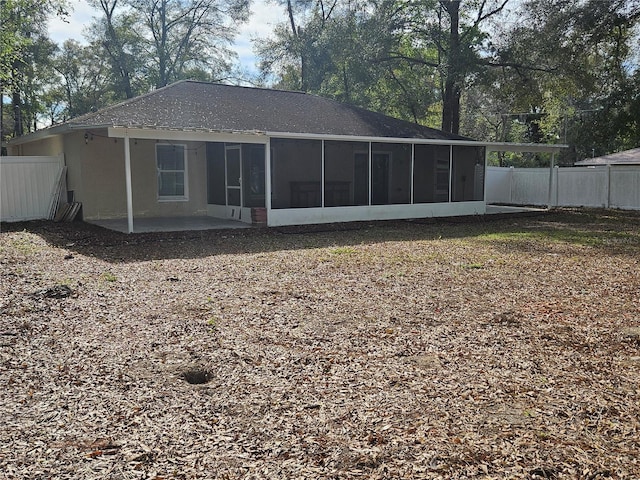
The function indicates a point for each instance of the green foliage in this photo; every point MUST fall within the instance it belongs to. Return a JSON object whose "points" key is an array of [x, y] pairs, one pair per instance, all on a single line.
{"points": [[569, 70], [25, 51], [109, 277], [546, 71], [22, 24], [343, 52], [183, 35]]}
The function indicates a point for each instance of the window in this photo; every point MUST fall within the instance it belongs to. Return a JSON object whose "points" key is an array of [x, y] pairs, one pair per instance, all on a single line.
{"points": [[171, 163]]}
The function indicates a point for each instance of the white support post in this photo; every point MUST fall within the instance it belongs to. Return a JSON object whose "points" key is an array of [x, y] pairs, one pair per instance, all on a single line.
{"points": [[322, 187], [413, 157], [370, 172], [450, 173], [127, 168], [267, 180], [484, 179]]}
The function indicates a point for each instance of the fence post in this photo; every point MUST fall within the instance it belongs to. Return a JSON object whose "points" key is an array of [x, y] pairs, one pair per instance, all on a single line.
{"points": [[608, 203], [511, 170], [553, 158]]}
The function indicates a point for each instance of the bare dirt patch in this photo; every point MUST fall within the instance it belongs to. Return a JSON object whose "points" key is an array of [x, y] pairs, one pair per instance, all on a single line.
{"points": [[449, 349]]}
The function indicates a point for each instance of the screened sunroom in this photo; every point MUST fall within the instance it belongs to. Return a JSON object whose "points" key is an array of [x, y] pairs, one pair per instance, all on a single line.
{"points": [[319, 180]]}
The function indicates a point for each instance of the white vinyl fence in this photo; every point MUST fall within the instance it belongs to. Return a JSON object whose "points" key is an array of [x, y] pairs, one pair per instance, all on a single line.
{"points": [[28, 187], [611, 186]]}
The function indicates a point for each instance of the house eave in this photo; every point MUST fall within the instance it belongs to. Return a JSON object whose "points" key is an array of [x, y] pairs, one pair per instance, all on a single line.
{"points": [[491, 146], [255, 136], [52, 132], [524, 147], [187, 134], [39, 135]]}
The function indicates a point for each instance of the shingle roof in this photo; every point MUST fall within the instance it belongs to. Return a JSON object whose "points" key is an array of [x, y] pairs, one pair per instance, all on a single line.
{"points": [[215, 107], [627, 157]]}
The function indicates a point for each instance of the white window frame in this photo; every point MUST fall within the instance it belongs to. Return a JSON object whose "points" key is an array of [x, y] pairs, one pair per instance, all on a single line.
{"points": [[173, 198]]}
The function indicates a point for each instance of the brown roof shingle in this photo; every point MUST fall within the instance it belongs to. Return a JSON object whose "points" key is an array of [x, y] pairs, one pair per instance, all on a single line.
{"points": [[214, 107]]}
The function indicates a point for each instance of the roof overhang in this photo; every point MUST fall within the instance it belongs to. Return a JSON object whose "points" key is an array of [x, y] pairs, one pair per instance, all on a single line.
{"points": [[491, 146], [193, 135], [587, 163], [258, 137], [40, 135], [524, 147]]}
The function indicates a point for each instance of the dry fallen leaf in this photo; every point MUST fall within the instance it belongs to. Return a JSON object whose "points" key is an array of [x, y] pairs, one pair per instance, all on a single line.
{"points": [[439, 350]]}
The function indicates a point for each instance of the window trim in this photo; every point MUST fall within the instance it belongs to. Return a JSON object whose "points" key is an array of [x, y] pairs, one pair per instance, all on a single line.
{"points": [[173, 198]]}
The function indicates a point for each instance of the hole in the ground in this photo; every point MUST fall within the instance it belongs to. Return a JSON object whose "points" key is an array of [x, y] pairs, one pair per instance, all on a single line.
{"points": [[196, 376]]}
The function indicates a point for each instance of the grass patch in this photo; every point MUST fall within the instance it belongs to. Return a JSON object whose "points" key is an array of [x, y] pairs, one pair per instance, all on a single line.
{"points": [[109, 277], [343, 251], [472, 266], [585, 238], [24, 245]]}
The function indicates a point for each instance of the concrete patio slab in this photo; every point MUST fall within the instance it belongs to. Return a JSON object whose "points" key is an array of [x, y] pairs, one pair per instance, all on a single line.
{"points": [[498, 209], [170, 224]]}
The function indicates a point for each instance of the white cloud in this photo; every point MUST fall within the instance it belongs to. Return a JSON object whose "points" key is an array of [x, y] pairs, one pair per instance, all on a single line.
{"points": [[80, 15], [263, 18]]}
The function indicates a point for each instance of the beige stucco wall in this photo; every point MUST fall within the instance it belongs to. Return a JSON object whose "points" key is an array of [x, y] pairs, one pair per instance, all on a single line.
{"points": [[144, 178], [51, 146], [97, 175]]}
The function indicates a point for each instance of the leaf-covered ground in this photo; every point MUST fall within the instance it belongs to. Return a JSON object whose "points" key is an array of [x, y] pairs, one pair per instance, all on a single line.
{"points": [[495, 348]]}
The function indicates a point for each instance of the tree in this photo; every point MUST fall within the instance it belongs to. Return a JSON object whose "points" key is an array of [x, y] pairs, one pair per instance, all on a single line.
{"points": [[85, 84], [156, 42], [24, 50], [115, 35], [453, 31], [571, 67], [296, 55], [394, 43], [337, 49]]}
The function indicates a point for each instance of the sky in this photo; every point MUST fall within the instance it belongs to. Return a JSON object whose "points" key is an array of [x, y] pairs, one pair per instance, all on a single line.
{"points": [[264, 17]]}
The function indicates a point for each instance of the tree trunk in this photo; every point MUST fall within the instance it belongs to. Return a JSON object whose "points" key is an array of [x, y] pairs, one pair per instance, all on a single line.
{"points": [[16, 99], [115, 49], [163, 79], [451, 95]]}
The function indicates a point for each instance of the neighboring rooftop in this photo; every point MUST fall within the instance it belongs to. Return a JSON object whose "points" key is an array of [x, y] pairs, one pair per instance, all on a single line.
{"points": [[628, 157], [193, 105]]}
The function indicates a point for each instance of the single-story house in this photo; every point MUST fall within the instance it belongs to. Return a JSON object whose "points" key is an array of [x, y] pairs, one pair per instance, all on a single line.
{"points": [[262, 156], [627, 157]]}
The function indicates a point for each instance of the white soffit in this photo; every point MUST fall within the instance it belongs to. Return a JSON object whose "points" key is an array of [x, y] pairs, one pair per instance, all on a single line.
{"points": [[186, 135]]}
